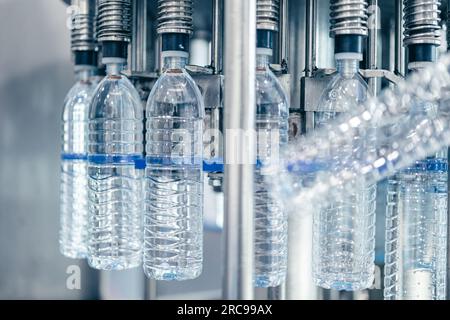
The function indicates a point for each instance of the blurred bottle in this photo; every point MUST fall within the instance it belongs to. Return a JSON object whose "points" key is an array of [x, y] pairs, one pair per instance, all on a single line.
{"points": [[344, 229], [272, 113], [173, 227], [115, 171], [73, 205], [416, 224]]}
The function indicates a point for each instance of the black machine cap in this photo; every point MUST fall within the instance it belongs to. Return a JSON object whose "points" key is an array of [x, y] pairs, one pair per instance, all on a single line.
{"points": [[86, 58], [422, 53], [115, 49], [348, 43], [264, 39], [175, 42]]}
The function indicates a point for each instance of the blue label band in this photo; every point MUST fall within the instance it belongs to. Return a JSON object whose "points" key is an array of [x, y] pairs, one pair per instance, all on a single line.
{"points": [[136, 159], [169, 161], [74, 156]]}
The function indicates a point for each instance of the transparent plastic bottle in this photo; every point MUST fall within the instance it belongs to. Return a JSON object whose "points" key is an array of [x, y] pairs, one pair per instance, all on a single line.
{"points": [[74, 199], [416, 225], [271, 223], [115, 172], [173, 223], [344, 229]]}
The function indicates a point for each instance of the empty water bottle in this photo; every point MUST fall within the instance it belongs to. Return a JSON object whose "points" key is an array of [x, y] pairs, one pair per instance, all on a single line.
{"points": [[272, 112], [74, 199], [115, 172], [173, 226], [416, 225], [344, 229]]}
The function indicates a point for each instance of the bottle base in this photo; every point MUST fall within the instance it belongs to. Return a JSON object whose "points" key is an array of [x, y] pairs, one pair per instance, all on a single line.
{"points": [[347, 284], [114, 264], [72, 253], [268, 281], [172, 274]]}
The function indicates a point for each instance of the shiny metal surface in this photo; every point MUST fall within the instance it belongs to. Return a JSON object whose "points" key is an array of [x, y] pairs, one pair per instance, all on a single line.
{"points": [[268, 14], [142, 47], [422, 22], [240, 104], [217, 37], [311, 31], [114, 20], [284, 33], [83, 25], [399, 65], [175, 16], [348, 17], [372, 44]]}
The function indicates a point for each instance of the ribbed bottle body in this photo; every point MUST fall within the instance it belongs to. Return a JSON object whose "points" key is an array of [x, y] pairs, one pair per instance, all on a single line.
{"points": [[344, 225], [416, 231], [73, 196], [271, 221], [344, 239], [173, 222], [115, 174]]}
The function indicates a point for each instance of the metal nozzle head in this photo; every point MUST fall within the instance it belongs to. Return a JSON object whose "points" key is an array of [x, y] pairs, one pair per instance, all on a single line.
{"points": [[348, 17], [422, 22], [83, 25], [114, 20], [268, 15], [175, 16]]}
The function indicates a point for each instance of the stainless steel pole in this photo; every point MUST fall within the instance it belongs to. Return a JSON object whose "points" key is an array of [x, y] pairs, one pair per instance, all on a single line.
{"points": [[139, 43], [311, 29], [217, 37], [399, 49], [374, 26], [283, 42], [239, 110], [277, 293]]}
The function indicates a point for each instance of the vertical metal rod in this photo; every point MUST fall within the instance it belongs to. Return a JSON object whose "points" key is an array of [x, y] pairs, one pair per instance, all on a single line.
{"points": [[138, 45], [151, 290], [311, 30], [217, 37], [240, 110], [277, 293], [283, 41], [399, 49], [372, 59]]}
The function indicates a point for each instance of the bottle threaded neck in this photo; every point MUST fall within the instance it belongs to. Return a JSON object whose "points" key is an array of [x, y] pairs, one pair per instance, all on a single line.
{"points": [[262, 60], [114, 69], [347, 67], [175, 62], [84, 74]]}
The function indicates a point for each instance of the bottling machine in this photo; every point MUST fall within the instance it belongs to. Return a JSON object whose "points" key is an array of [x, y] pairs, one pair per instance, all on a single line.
{"points": [[224, 33]]}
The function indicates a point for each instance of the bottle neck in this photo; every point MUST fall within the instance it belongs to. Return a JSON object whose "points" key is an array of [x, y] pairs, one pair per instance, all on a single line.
{"points": [[262, 60], [347, 67], [114, 69], [84, 74], [175, 62]]}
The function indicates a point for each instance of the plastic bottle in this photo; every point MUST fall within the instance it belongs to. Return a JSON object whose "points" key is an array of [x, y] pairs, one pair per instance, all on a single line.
{"points": [[173, 224], [74, 199], [344, 228], [115, 172], [416, 224], [271, 221]]}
